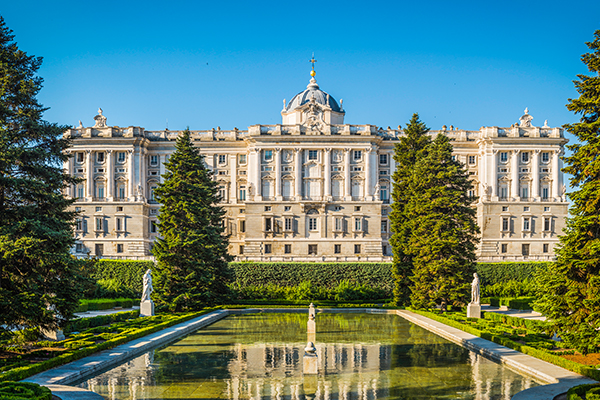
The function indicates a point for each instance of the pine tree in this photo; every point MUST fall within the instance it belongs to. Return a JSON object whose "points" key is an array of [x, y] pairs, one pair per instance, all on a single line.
{"points": [[192, 260], [570, 289], [443, 230], [39, 279], [411, 147]]}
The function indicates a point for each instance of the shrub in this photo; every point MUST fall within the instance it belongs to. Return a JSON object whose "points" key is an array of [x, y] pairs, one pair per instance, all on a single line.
{"points": [[121, 278], [502, 272], [24, 390], [590, 392]]}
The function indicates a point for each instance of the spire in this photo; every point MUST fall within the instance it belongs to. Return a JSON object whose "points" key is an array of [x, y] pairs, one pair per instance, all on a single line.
{"points": [[313, 61]]}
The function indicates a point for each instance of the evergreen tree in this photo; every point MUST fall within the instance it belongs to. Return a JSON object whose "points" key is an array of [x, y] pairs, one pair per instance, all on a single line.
{"points": [[443, 230], [570, 289], [39, 279], [411, 147], [192, 260]]}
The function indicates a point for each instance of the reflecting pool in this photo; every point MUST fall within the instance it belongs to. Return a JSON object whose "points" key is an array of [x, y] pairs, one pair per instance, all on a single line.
{"points": [[260, 356]]}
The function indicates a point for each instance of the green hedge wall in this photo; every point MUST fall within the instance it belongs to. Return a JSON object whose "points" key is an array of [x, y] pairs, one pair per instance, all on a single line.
{"points": [[24, 391], [491, 273], [329, 275], [128, 273]]}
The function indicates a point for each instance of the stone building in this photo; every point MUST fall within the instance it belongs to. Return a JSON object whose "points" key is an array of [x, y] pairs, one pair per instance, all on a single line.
{"points": [[313, 188]]}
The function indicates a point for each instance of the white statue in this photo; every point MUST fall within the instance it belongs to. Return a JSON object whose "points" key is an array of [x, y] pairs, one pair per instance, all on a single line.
{"points": [[80, 125], [311, 311], [140, 190], [147, 286], [100, 120], [525, 120], [475, 289]]}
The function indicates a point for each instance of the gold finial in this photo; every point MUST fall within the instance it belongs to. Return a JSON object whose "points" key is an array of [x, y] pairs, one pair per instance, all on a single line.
{"points": [[313, 61]]}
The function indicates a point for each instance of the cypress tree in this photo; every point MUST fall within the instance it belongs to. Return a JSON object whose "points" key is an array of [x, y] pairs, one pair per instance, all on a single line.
{"points": [[443, 230], [192, 260], [570, 289], [411, 147], [39, 279]]}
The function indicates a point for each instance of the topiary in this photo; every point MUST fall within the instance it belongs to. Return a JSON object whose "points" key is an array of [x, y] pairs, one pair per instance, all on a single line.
{"points": [[24, 391]]}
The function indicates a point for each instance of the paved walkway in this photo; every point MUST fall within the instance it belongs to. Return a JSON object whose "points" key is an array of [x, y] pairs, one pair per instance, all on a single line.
{"points": [[525, 314], [88, 314]]}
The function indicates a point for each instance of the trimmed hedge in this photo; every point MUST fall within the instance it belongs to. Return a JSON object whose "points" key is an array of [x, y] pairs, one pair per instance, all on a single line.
{"points": [[17, 374], [588, 392], [127, 273], [82, 324], [103, 304], [24, 391], [501, 272], [525, 349], [517, 303]]}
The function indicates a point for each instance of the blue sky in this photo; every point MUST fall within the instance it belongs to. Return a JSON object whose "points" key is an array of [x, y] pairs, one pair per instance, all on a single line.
{"points": [[230, 64]]}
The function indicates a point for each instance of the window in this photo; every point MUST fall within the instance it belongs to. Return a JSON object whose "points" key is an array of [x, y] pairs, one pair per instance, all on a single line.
{"points": [[504, 208], [100, 190], [356, 169], [503, 192], [121, 190], [242, 210], [545, 157], [545, 247], [525, 209], [356, 208], [384, 226], [337, 248], [339, 224], [525, 192], [100, 157], [504, 156], [99, 249], [78, 248], [268, 155], [267, 249], [384, 250], [383, 172], [241, 249], [154, 160], [471, 193], [152, 189], [383, 194], [242, 158], [358, 224], [77, 209], [222, 158], [79, 157], [313, 154], [153, 227], [546, 209], [289, 224], [99, 224], [337, 208], [545, 193], [357, 249], [336, 169], [268, 224], [524, 157], [80, 191], [119, 224], [287, 249], [98, 209], [242, 226], [267, 208], [121, 157], [119, 248], [471, 160], [525, 249], [312, 224], [243, 193], [79, 224], [453, 158], [505, 224], [504, 248], [222, 193], [287, 208], [312, 249], [526, 224], [383, 159], [547, 224], [153, 211], [153, 173], [357, 155]]}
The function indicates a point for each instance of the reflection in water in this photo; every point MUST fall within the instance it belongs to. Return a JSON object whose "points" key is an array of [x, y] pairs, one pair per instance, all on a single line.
{"points": [[259, 357]]}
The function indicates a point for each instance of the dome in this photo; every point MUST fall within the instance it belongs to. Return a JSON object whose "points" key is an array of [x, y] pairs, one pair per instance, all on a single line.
{"points": [[312, 90]]}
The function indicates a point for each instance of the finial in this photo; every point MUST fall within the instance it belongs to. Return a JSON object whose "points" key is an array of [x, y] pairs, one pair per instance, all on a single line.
{"points": [[313, 61], [526, 110], [99, 111], [284, 104]]}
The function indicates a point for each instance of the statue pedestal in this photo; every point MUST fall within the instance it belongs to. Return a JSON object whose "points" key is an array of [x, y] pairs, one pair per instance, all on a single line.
{"points": [[147, 308], [311, 327], [311, 366], [474, 310]]}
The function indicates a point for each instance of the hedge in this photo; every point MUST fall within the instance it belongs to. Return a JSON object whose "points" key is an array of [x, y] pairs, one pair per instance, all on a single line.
{"points": [[24, 391], [525, 349], [17, 374], [588, 392], [82, 324], [103, 304], [492, 273], [128, 273], [517, 303]]}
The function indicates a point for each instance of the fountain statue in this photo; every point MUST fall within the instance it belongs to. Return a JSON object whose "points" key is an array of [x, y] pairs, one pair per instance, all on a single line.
{"points": [[311, 366], [474, 307], [147, 305]]}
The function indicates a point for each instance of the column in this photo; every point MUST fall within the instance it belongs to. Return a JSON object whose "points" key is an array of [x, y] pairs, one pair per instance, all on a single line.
{"points": [[347, 180], [110, 176], [514, 173], [481, 172], [535, 175], [369, 163], [162, 159], [143, 174], [277, 155], [494, 175], [561, 184], [327, 176], [233, 180], [555, 175], [130, 190], [89, 183], [252, 173], [68, 167], [258, 182], [392, 170], [298, 174]]}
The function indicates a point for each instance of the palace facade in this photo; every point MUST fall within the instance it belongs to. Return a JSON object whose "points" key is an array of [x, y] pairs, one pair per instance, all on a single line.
{"points": [[314, 188]]}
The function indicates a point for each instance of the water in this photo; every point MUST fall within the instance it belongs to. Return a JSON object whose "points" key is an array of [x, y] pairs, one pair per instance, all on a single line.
{"points": [[260, 357]]}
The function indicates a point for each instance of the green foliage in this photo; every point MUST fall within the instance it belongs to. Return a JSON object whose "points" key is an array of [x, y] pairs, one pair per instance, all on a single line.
{"points": [[119, 278], [24, 391], [82, 324], [443, 229], [589, 392], [191, 254], [329, 275], [510, 288], [502, 272], [517, 303], [104, 304], [570, 289], [411, 147], [36, 267]]}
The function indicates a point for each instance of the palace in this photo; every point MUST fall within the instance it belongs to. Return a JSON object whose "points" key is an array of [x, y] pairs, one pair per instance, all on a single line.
{"points": [[313, 188]]}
